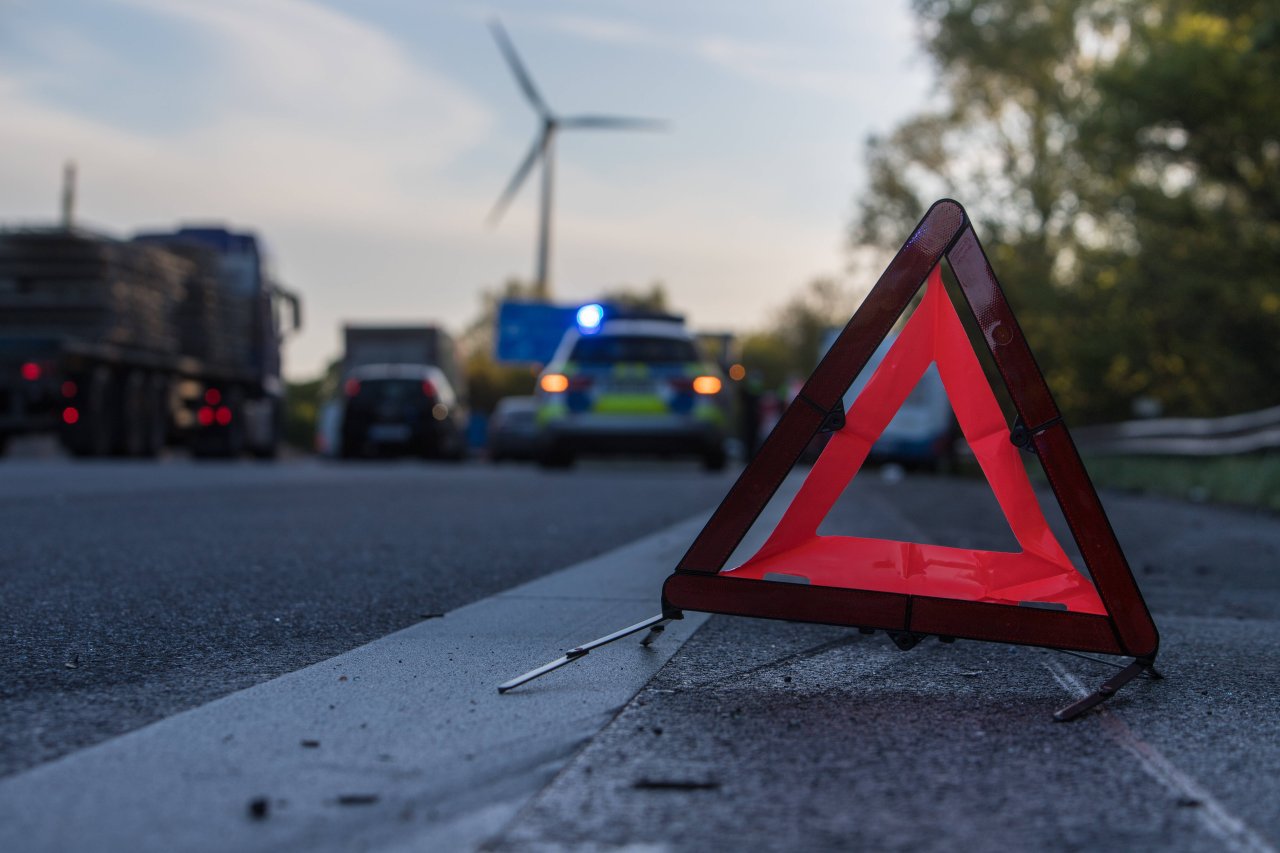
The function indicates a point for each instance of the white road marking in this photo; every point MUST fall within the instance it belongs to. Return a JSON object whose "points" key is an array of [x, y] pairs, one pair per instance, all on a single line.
{"points": [[1233, 832]]}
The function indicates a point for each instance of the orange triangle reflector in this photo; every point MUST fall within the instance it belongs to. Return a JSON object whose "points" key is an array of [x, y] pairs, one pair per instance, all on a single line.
{"points": [[1035, 596]]}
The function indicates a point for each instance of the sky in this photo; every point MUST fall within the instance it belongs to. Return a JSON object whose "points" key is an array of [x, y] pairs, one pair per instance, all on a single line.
{"points": [[366, 142]]}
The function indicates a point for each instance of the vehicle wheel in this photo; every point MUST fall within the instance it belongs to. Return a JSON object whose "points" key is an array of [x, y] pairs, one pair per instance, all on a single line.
{"points": [[155, 416], [131, 435], [270, 449], [94, 434], [4, 442], [714, 459], [557, 457]]}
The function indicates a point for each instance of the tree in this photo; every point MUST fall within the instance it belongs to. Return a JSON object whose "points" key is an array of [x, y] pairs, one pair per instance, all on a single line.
{"points": [[1120, 161]]}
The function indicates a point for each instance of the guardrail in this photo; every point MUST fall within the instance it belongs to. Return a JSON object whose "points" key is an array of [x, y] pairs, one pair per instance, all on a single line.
{"points": [[1244, 433]]}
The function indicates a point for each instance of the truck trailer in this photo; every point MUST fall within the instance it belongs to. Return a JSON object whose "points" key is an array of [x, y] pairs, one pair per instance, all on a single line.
{"points": [[122, 346]]}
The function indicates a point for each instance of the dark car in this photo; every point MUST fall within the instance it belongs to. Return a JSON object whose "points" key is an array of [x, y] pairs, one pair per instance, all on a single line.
{"points": [[401, 409], [513, 429]]}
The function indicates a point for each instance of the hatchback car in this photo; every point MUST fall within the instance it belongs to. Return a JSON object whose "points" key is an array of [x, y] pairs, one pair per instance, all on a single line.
{"points": [[401, 408], [631, 386]]}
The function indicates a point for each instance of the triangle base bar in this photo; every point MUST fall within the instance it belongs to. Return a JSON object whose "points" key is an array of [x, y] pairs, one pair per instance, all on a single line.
{"points": [[891, 611], [907, 619]]}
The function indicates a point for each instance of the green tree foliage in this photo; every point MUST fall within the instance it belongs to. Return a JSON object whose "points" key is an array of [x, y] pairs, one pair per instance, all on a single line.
{"points": [[302, 401], [1121, 160]]}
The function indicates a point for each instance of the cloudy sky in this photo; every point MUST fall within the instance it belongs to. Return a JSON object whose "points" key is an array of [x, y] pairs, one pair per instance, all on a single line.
{"points": [[366, 142]]}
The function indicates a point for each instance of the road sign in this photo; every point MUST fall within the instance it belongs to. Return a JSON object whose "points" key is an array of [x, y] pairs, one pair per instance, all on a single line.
{"points": [[529, 332]]}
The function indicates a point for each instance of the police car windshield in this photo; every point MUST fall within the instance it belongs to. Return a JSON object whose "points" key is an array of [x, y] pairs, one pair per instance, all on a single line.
{"points": [[610, 349]]}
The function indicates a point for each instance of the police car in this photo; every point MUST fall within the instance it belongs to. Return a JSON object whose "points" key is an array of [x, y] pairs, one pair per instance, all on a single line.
{"points": [[630, 383]]}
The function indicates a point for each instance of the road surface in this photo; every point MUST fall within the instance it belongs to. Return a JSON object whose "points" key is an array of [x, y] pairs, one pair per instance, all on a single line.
{"points": [[254, 657]]}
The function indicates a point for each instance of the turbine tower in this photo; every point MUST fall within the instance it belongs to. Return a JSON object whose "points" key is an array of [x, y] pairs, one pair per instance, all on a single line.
{"points": [[543, 151]]}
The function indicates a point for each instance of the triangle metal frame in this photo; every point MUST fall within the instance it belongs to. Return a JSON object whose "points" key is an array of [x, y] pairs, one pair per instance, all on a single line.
{"points": [[697, 585]]}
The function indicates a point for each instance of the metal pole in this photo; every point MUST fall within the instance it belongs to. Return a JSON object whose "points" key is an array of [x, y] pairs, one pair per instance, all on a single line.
{"points": [[68, 194], [542, 285]]}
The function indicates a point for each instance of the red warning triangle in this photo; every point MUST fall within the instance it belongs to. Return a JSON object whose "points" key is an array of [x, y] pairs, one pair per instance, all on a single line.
{"points": [[1034, 597]]}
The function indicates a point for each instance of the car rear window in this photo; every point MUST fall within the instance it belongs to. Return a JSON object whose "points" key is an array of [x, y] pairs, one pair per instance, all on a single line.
{"points": [[390, 389], [610, 349]]}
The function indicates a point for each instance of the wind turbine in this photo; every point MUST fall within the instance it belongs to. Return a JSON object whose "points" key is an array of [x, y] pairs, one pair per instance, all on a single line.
{"points": [[543, 149]]}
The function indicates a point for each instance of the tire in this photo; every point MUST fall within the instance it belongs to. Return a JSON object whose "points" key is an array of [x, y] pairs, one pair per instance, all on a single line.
{"points": [[155, 417], [132, 428], [271, 449], [94, 434], [714, 459], [558, 458]]}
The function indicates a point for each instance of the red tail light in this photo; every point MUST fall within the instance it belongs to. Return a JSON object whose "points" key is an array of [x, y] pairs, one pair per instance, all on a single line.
{"points": [[682, 384], [352, 387], [213, 396], [428, 388], [222, 416], [205, 416], [30, 371], [70, 415], [69, 388], [580, 383]]}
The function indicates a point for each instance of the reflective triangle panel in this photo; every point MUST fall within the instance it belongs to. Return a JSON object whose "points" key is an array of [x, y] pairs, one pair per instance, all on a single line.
{"points": [[1034, 596], [1040, 573]]}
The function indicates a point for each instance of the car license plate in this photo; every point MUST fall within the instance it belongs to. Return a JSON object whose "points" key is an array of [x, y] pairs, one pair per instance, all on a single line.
{"points": [[389, 432]]}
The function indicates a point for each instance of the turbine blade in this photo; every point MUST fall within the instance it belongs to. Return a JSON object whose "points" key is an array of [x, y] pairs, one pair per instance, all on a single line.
{"points": [[592, 122], [517, 68], [513, 186]]}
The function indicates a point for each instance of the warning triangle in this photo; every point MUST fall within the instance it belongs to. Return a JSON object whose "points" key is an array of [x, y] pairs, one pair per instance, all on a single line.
{"points": [[1033, 597]]}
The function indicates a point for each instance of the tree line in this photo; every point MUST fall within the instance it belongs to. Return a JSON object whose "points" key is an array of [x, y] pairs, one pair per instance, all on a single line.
{"points": [[1121, 162]]}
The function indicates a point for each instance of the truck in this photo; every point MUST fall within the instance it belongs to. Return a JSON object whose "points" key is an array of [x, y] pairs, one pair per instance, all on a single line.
{"points": [[418, 345], [121, 346]]}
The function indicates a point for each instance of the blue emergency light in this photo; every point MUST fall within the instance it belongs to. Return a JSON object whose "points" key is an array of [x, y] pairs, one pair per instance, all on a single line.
{"points": [[590, 317]]}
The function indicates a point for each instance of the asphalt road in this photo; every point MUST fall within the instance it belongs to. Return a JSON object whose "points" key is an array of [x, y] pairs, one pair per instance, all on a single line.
{"points": [[777, 736], [163, 585], [132, 591]]}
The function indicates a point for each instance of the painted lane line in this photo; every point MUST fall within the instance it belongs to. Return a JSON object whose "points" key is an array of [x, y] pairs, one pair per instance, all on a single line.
{"points": [[1231, 831]]}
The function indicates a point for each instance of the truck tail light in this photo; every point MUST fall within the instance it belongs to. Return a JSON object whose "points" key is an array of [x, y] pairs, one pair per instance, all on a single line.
{"points": [[31, 371]]}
